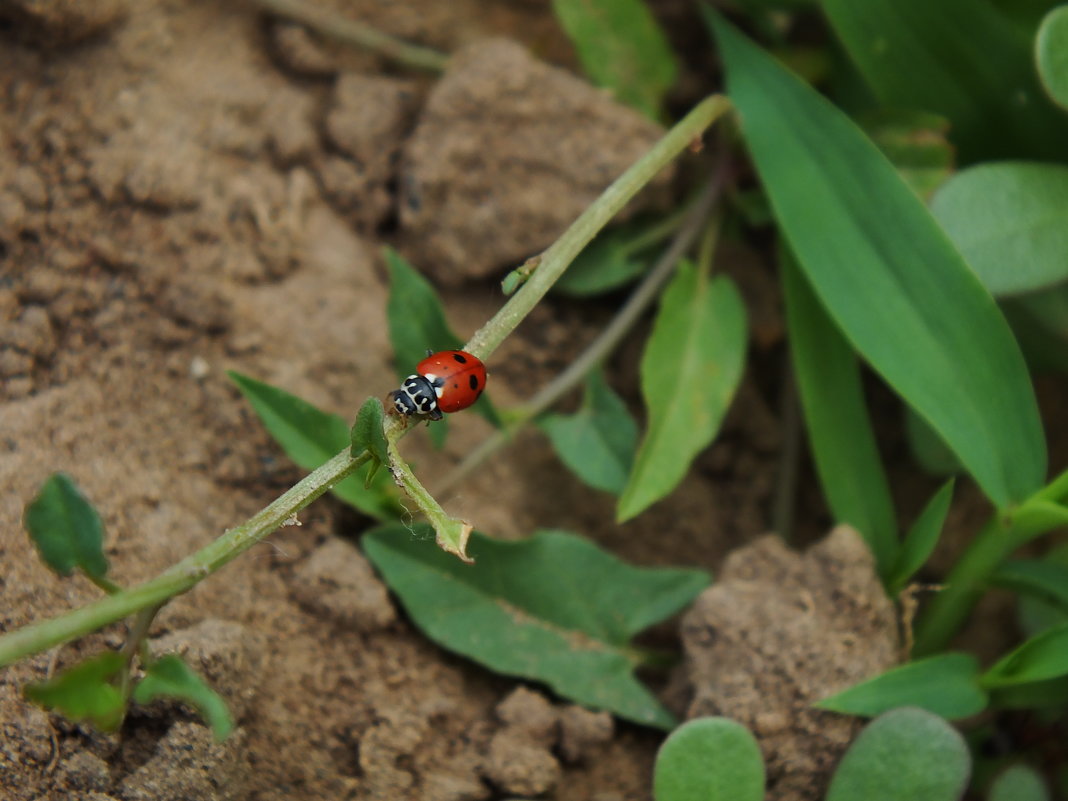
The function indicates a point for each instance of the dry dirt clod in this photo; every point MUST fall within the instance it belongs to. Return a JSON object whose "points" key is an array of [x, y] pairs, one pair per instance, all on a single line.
{"points": [[187, 765], [530, 713], [781, 630], [582, 731], [337, 581], [506, 153], [516, 764]]}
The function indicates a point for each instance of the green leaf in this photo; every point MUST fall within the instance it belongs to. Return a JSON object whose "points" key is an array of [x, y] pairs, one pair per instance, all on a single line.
{"points": [[1038, 611], [552, 608], [946, 685], [887, 275], [690, 370], [929, 449], [613, 259], [621, 47], [1010, 222], [920, 541], [85, 692], [1044, 656], [1046, 695], [958, 58], [1051, 54], [417, 324], [1040, 321], [170, 677], [66, 529], [839, 429], [596, 443], [1018, 783], [915, 143], [904, 755], [1044, 579], [310, 437], [709, 759], [367, 432]]}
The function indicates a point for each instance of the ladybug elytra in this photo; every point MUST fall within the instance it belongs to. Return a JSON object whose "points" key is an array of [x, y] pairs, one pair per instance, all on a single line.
{"points": [[447, 381]]}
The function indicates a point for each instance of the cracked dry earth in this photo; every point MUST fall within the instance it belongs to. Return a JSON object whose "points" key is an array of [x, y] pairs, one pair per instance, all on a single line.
{"points": [[187, 188]]}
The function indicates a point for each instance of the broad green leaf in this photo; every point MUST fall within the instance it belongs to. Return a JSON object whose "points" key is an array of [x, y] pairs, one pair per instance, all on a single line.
{"points": [[947, 685], [368, 433], [310, 437], [1018, 783], [929, 449], [690, 370], [1043, 657], [1038, 612], [596, 443], [1044, 579], [621, 47], [958, 58], [66, 529], [170, 677], [920, 541], [615, 258], [915, 143], [85, 692], [887, 275], [552, 608], [1010, 222], [1050, 694], [836, 416], [709, 759], [417, 324], [1051, 54], [904, 755]]}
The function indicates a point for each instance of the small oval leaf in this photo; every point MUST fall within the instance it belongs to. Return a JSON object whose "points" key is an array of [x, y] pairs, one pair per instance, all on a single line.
{"points": [[947, 685], [85, 692], [1051, 54], [1018, 783], [690, 370], [1010, 222], [709, 759], [170, 677], [904, 755], [597, 442], [66, 529]]}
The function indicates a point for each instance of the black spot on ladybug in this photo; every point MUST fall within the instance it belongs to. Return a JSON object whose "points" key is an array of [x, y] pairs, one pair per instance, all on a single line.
{"points": [[460, 358], [455, 386], [474, 382]]}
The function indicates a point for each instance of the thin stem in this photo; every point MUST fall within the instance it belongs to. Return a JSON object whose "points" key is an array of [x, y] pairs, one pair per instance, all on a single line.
{"points": [[137, 643], [358, 34], [556, 259], [607, 341], [182, 576]]}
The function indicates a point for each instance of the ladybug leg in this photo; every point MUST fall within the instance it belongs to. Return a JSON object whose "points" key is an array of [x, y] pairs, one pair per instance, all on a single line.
{"points": [[435, 414]]}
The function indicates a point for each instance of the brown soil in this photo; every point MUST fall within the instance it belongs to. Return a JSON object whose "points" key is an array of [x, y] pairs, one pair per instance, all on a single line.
{"points": [[186, 188]]}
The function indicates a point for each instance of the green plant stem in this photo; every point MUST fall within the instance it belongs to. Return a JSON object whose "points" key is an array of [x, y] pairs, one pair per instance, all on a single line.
{"points": [[968, 579], [182, 576], [355, 33], [607, 341], [562, 252]]}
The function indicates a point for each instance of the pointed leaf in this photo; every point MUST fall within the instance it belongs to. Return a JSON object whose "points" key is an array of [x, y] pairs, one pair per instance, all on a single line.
{"points": [[1018, 783], [85, 692], [622, 47], [904, 755], [958, 58], [597, 443], [310, 437], [1010, 222], [66, 529], [947, 685], [690, 370], [836, 416], [920, 541], [170, 677], [709, 759], [368, 433], [1043, 657], [1051, 55], [1038, 611], [551, 608], [1041, 578], [887, 275]]}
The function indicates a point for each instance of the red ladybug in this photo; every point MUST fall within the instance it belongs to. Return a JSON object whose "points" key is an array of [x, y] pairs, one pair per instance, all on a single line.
{"points": [[447, 381]]}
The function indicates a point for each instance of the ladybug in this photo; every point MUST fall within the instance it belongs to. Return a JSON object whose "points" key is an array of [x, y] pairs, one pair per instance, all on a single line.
{"points": [[447, 381]]}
